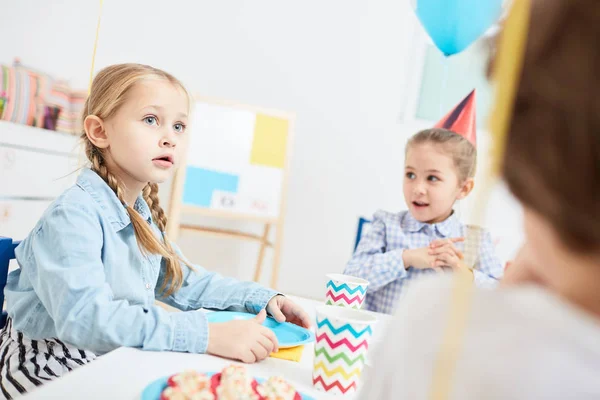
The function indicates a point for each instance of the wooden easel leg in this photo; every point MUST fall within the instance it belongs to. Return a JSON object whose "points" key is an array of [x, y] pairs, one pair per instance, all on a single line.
{"points": [[261, 253], [276, 255], [175, 202]]}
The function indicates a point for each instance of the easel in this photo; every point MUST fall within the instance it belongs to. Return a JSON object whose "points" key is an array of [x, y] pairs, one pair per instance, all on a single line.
{"points": [[177, 208]]}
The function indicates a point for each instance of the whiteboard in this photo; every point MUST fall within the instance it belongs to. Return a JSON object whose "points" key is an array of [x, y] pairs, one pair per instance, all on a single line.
{"points": [[237, 159]]}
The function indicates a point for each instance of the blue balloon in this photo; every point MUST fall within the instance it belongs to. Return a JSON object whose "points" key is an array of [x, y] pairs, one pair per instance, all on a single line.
{"points": [[454, 24]]}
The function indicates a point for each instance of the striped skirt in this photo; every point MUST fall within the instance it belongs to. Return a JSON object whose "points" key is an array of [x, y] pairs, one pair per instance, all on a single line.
{"points": [[26, 364]]}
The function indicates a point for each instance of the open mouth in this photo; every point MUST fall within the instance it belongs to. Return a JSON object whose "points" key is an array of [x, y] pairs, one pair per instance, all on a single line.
{"points": [[420, 204], [163, 161]]}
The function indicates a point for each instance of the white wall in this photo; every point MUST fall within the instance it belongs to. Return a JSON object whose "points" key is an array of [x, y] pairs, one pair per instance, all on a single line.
{"points": [[340, 65]]}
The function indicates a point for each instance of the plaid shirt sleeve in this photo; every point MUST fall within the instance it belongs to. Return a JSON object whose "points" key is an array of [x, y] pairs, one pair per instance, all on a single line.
{"points": [[488, 269], [372, 262]]}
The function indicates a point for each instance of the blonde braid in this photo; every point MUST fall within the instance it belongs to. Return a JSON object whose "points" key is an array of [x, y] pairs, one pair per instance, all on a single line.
{"points": [[150, 194], [173, 263], [100, 168]]}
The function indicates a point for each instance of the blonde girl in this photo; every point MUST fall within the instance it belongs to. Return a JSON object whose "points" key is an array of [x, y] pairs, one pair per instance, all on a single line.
{"points": [[92, 268]]}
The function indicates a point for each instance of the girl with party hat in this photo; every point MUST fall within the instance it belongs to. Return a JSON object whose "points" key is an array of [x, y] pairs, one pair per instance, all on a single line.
{"points": [[428, 237]]}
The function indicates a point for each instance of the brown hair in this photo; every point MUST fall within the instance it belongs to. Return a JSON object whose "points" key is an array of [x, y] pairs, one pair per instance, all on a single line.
{"points": [[108, 92], [552, 158], [462, 151]]}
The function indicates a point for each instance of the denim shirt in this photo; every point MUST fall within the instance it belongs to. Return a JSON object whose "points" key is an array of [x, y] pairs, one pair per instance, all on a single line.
{"points": [[84, 280]]}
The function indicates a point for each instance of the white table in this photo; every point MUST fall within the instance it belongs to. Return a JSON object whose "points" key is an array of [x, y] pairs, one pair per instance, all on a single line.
{"points": [[123, 373]]}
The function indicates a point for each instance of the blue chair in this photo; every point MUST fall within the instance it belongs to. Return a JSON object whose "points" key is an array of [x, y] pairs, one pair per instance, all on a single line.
{"points": [[7, 253], [361, 224]]}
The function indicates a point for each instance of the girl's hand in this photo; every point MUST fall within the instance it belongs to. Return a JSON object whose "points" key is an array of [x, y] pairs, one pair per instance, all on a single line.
{"points": [[446, 254], [419, 258], [248, 341], [283, 309]]}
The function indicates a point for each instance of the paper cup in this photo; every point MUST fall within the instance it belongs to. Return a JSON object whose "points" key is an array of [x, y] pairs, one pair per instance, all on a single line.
{"points": [[343, 337], [345, 291]]}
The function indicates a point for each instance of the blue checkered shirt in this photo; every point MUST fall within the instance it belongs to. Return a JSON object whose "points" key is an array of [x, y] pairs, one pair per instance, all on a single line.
{"points": [[378, 257]]}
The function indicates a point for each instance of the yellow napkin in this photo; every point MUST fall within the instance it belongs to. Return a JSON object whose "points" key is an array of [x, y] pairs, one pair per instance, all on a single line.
{"points": [[291, 353]]}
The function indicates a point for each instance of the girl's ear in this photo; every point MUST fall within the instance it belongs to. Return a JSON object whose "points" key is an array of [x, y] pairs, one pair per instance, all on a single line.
{"points": [[466, 188], [94, 130]]}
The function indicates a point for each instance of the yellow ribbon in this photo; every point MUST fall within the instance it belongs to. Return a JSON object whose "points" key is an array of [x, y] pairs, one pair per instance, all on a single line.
{"points": [[506, 74], [95, 47]]}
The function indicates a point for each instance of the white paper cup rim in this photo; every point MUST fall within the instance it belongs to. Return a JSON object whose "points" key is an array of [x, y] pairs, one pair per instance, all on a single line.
{"points": [[348, 279], [346, 314]]}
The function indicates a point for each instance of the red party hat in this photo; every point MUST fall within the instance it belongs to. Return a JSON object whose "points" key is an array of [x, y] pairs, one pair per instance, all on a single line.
{"points": [[461, 119]]}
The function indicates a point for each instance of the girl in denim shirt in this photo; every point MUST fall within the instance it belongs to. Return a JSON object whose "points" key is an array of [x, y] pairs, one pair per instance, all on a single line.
{"points": [[92, 268]]}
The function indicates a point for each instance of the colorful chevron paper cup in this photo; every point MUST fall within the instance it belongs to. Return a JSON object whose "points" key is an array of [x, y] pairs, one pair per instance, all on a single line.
{"points": [[345, 291], [343, 337]]}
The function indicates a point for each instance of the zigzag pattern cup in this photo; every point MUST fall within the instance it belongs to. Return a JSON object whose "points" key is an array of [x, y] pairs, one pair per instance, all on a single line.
{"points": [[345, 291], [343, 337]]}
